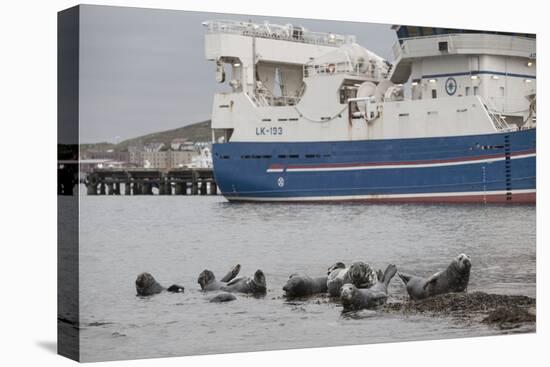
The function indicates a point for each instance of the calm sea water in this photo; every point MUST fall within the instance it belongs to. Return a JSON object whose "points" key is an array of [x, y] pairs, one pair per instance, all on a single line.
{"points": [[175, 238]]}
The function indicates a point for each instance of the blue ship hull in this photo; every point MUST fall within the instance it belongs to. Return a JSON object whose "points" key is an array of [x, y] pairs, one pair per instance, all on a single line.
{"points": [[498, 167]]}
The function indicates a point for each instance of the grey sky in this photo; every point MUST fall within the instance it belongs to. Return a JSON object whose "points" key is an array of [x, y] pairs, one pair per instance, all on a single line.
{"points": [[143, 70]]}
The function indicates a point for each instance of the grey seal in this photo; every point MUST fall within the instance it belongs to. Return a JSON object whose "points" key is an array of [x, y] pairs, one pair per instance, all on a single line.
{"points": [[362, 275], [354, 298], [300, 285], [253, 285], [207, 279], [453, 279], [359, 274], [146, 285], [223, 297]]}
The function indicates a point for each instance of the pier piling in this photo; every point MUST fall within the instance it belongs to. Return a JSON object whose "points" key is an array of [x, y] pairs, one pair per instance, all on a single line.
{"points": [[116, 188], [181, 188], [203, 188], [146, 189], [162, 188], [91, 189], [213, 188], [110, 190], [141, 181]]}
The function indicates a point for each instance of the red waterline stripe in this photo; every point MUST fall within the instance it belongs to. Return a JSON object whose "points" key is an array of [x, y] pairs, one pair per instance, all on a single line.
{"points": [[406, 163], [522, 198]]}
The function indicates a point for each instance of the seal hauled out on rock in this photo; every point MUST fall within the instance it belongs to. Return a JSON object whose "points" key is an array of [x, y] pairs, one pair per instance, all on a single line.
{"points": [[146, 285], [253, 285], [359, 274], [208, 282], [453, 279], [356, 299], [299, 285]]}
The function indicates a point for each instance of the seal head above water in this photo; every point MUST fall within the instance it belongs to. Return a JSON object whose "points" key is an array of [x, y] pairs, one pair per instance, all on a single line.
{"points": [[453, 279], [146, 285]]}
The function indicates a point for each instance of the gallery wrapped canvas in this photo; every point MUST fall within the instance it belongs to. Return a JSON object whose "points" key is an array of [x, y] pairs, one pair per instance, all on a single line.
{"points": [[233, 183]]}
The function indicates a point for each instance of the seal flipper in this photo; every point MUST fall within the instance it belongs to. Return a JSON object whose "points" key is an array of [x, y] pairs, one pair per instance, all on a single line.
{"points": [[232, 273], [388, 274], [404, 277], [233, 281], [432, 280], [174, 288]]}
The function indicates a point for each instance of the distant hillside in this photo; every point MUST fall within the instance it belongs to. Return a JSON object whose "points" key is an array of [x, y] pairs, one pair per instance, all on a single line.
{"points": [[199, 131], [103, 146]]}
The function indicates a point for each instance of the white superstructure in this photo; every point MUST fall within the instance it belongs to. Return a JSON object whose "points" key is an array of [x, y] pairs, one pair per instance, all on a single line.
{"points": [[499, 68], [290, 84]]}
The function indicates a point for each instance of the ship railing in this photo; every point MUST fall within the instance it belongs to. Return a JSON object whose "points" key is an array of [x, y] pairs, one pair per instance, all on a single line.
{"points": [[254, 99], [277, 32], [281, 100], [264, 99], [499, 123], [344, 67]]}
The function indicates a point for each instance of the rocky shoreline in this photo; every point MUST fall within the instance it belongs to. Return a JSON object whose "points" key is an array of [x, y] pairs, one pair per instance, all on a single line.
{"points": [[502, 311]]}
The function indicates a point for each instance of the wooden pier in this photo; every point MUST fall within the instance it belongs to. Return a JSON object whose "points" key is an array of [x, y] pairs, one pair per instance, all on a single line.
{"points": [[142, 181]]}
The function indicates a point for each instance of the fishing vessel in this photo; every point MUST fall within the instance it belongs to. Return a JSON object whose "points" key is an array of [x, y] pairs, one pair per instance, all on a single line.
{"points": [[313, 116]]}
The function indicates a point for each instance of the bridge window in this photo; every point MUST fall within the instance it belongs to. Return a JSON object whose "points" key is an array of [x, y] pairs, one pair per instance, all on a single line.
{"points": [[434, 93], [427, 31]]}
